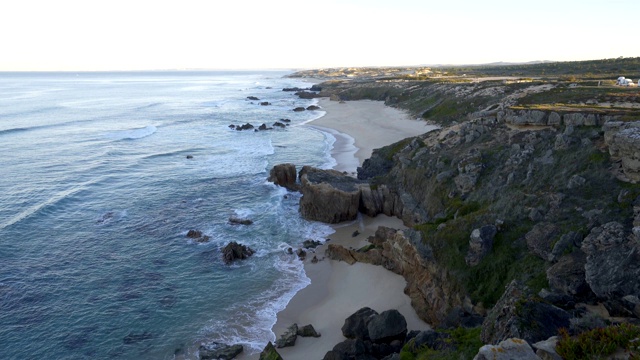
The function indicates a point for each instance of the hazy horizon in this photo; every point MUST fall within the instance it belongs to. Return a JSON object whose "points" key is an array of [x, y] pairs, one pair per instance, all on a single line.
{"points": [[73, 35]]}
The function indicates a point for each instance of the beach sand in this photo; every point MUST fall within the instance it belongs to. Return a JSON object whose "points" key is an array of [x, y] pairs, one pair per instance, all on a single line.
{"points": [[337, 289]]}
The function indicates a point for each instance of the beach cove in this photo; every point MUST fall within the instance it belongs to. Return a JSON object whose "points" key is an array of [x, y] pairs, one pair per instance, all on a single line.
{"points": [[338, 289]]}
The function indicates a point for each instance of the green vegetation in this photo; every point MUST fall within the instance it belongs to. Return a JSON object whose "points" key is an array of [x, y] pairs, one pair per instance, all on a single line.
{"points": [[461, 344], [599, 342]]}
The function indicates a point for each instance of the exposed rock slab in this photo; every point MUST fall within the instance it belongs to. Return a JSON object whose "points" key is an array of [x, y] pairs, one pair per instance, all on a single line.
{"points": [[284, 175], [328, 195], [509, 349]]}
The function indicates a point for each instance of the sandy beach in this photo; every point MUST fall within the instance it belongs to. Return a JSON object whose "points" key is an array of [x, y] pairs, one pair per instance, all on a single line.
{"points": [[337, 289]]}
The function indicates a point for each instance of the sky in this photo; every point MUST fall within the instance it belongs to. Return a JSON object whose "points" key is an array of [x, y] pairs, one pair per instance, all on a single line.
{"points": [[87, 35]]}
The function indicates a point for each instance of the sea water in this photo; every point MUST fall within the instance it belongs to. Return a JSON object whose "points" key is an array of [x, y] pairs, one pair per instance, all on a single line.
{"points": [[97, 195]]}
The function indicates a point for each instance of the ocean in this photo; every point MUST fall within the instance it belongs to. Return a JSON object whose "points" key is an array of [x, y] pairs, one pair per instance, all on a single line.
{"points": [[97, 194]]}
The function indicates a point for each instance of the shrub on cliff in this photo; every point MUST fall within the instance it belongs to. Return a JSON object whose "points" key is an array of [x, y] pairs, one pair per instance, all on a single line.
{"points": [[600, 342]]}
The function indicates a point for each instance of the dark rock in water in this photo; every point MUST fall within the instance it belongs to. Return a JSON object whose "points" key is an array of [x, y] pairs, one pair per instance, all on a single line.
{"points": [[279, 124], [292, 89], [189, 156], [219, 351], [252, 98], [285, 120], [198, 236], [246, 126], [264, 127], [519, 314], [289, 337], [133, 338], [301, 254], [355, 326], [308, 331], [313, 107], [355, 233], [265, 103], [284, 175], [387, 326], [308, 244], [314, 260], [299, 108], [232, 126], [290, 251], [270, 353], [234, 251], [239, 221]]}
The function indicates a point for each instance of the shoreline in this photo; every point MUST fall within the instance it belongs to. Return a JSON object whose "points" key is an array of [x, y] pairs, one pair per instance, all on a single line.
{"points": [[337, 289]]}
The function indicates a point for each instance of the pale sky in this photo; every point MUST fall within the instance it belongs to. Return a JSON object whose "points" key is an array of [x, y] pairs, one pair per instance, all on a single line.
{"points": [[258, 34]]}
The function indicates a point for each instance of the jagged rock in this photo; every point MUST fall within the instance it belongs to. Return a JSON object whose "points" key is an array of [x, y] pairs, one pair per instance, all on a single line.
{"points": [[340, 253], [233, 220], [509, 349], [348, 349], [540, 239], [284, 175], [387, 326], [263, 127], [546, 349], [285, 120], [252, 98], [568, 275], [299, 108], [246, 126], [356, 325], [308, 331], [309, 244], [623, 139], [219, 351], [233, 251], [279, 124], [613, 261], [313, 107], [519, 314], [289, 337], [480, 244], [270, 353], [197, 236], [566, 242], [328, 195]]}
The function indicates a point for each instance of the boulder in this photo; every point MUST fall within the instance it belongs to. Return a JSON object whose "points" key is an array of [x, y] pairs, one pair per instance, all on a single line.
{"points": [[480, 244], [299, 108], [233, 220], [567, 276], [431, 339], [234, 251], [265, 103], [279, 124], [546, 349], [270, 353], [313, 107], [197, 236], [246, 126], [289, 337], [612, 269], [509, 349], [311, 244], [215, 351], [301, 254], [540, 239], [565, 244], [252, 98], [328, 195], [356, 325], [387, 326], [521, 315], [348, 349], [308, 331], [284, 175]]}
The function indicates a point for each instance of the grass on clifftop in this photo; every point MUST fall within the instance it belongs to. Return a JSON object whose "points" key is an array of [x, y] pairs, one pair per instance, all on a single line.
{"points": [[463, 343], [599, 343]]}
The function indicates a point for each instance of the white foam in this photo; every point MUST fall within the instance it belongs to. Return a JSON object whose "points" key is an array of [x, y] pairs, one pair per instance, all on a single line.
{"points": [[133, 134]]}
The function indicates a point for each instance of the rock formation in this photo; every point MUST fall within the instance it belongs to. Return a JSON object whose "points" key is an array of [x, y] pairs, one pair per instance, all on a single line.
{"points": [[234, 251]]}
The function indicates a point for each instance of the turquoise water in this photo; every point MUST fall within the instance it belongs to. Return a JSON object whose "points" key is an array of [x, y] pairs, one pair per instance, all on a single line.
{"points": [[97, 195]]}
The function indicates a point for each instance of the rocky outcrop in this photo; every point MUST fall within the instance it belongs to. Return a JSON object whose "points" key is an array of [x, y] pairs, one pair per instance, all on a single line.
{"points": [[508, 349], [284, 175], [234, 220], [550, 118], [217, 351], [519, 314], [197, 236], [313, 107], [567, 276], [623, 140], [405, 253], [299, 108], [328, 195], [612, 268], [308, 331], [387, 326], [356, 325], [289, 337], [541, 238], [234, 251], [480, 244], [270, 353]]}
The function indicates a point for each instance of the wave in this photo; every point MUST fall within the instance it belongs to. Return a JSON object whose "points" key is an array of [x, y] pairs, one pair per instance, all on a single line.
{"points": [[46, 126], [133, 134]]}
